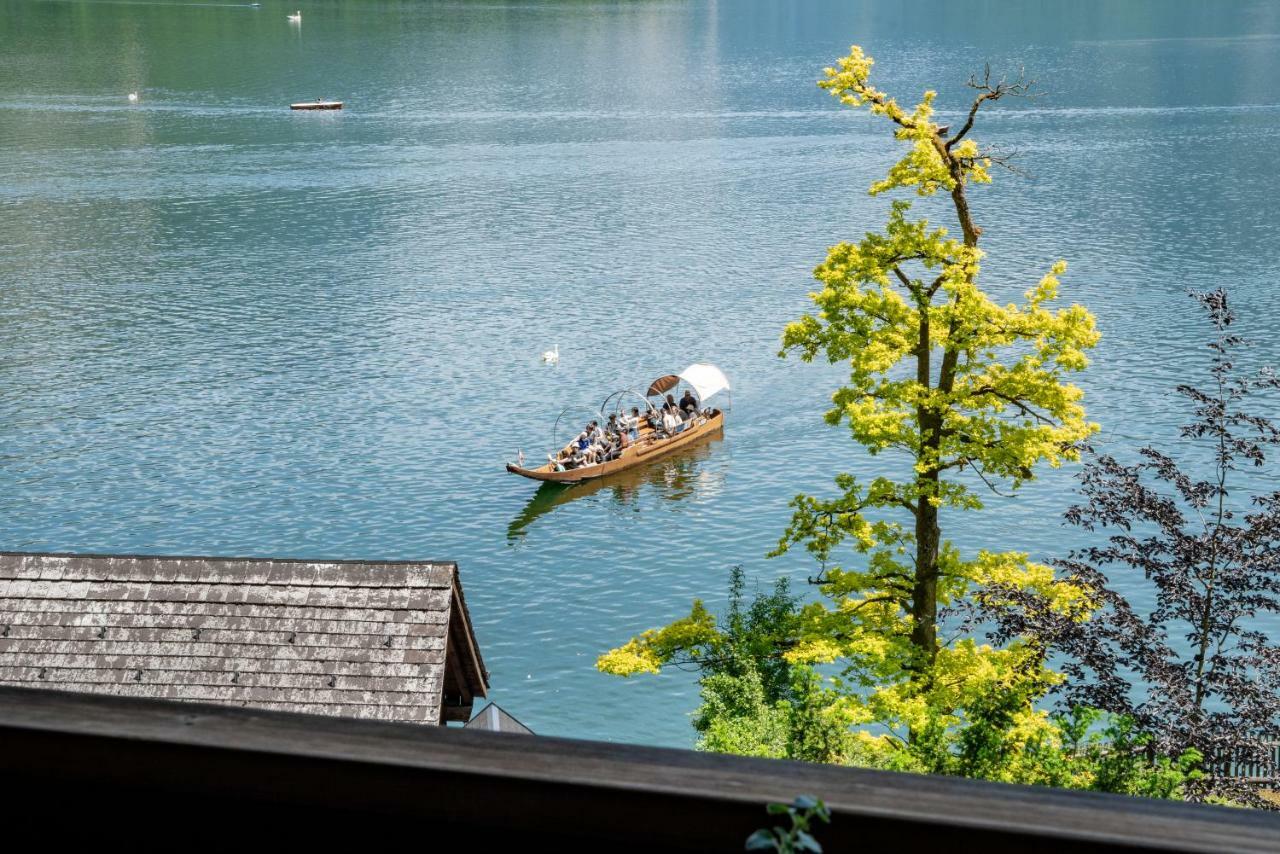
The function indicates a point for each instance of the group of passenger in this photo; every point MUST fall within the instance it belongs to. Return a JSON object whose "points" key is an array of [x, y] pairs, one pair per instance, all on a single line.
{"points": [[675, 417], [597, 444]]}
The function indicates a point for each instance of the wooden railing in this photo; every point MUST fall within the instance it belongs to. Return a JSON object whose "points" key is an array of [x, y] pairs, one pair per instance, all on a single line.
{"points": [[1247, 766], [153, 772]]}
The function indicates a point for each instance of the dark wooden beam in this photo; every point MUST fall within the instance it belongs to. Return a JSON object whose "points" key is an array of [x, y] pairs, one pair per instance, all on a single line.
{"points": [[142, 770], [455, 699], [461, 629]]}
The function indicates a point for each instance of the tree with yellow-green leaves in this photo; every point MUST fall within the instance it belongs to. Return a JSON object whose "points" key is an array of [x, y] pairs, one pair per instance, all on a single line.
{"points": [[956, 393]]}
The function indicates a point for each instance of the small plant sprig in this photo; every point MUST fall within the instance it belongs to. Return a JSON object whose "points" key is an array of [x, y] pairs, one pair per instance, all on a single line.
{"points": [[802, 811]]}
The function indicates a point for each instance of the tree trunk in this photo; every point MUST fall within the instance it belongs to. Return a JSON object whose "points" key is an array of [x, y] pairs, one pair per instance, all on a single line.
{"points": [[1206, 614], [924, 595], [924, 592]]}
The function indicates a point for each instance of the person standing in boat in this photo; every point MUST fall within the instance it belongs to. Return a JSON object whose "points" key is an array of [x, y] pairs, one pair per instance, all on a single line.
{"points": [[689, 404]]}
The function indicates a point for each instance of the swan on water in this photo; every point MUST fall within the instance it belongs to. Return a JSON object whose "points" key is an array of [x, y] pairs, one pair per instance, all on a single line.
{"points": [[133, 96], [552, 357], [296, 17]]}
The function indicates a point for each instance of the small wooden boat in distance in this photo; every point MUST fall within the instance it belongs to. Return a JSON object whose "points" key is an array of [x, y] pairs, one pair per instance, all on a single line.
{"points": [[317, 104]]}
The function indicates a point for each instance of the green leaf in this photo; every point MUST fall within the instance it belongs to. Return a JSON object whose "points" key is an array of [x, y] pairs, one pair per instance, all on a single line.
{"points": [[761, 840], [806, 802], [805, 842], [777, 809]]}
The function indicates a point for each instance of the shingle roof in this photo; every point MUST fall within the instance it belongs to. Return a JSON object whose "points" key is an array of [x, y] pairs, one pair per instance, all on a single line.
{"points": [[389, 641]]}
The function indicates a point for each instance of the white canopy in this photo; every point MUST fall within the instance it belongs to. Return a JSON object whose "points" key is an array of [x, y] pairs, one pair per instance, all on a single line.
{"points": [[707, 380]]}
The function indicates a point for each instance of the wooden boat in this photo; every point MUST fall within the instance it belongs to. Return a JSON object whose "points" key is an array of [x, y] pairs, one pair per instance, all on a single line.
{"points": [[648, 447], [317, 104], [705, 381]]}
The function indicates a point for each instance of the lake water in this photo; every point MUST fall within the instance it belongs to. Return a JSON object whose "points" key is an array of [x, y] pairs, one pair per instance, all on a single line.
{"points": [[226, 328]]}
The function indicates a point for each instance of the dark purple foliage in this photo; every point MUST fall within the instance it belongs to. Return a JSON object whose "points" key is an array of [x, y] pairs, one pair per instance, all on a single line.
{"points": [[1196, 670]]}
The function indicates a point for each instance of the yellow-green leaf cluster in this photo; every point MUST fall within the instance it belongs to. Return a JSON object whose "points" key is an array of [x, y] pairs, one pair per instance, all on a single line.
{"points": [[923, 167], [1007, 404], [648, 652]]}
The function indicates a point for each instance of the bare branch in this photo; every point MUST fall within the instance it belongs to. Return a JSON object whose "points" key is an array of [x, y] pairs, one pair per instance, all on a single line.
{"points": [[991, 486], [1013, 401], [1003, 158], [988, 91]]}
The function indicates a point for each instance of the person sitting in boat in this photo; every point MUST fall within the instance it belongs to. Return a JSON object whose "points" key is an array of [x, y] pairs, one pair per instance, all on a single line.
{"points": [[671, 422], [624, 440], [689, 404], [556, 463], [594, 451], [598, 451], [565, 457], [632, 423], [607, 449]]}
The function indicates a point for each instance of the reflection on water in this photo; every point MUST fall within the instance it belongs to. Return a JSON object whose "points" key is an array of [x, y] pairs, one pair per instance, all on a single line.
{"points": [[674, 478]]}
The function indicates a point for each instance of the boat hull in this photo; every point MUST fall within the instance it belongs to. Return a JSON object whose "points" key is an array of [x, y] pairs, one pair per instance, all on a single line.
{"points": [[646, 449], [317, 105]]}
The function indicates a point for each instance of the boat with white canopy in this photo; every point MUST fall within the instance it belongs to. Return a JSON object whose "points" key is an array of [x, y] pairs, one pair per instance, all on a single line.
{"points": [[652, 440]]}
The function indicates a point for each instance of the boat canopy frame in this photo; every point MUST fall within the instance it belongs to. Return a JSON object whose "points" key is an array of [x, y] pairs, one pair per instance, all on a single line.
{"points": [[618, 407], [580, 409]]}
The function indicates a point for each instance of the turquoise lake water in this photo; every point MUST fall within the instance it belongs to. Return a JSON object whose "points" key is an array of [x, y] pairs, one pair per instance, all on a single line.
{"points": [[230, 329]]}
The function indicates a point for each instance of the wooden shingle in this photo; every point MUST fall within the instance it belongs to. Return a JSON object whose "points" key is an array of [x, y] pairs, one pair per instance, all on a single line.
{"points": [[379, 640]]}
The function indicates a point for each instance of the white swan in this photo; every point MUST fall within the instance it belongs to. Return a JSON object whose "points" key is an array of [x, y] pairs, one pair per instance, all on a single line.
{"points": [[133, 97], [552, 357], [296, 17]]}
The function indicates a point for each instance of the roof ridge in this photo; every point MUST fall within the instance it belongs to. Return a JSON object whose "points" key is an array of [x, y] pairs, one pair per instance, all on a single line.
{"points": [[238, 558]]}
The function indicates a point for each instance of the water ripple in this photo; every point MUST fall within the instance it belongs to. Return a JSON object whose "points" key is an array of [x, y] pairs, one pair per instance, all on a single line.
{"points": [[226, 328]]}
